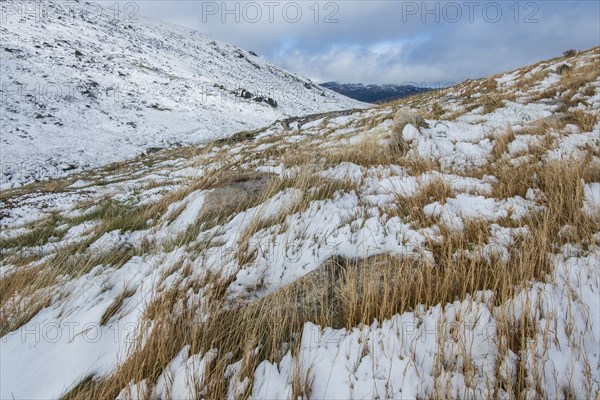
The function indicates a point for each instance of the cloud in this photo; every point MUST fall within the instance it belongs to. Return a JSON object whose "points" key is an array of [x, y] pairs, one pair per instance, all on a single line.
{"points": [[382, 62], [392, 41]]}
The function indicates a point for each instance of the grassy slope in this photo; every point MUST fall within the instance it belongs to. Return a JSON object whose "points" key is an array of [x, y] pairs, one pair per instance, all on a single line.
{"points": [[451, 264]]}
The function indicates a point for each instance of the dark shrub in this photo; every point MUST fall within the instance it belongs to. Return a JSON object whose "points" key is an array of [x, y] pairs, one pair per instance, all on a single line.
{"points": [[563, 68]]}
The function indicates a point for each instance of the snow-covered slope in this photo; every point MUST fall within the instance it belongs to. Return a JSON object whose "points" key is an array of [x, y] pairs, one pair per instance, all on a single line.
{"points": [[347, 255], [83, 86]]}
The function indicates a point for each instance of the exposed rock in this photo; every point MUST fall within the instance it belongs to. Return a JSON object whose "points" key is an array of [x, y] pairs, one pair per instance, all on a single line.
{"points": [[405, 116], [67, 166], [406, 129], [245, 94], [563, 69], [151, 150], [271, 102], [234, 189]]}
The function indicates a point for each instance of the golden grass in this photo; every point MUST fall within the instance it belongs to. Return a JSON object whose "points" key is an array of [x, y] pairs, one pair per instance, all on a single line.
{"points": [[491, 103], [436, 111], [24, 292], [580, 76], [20, 297], [38, 234], [411, 207], [584, 120], [368, 152], [45, 186], [502, 142], [115, 306]]}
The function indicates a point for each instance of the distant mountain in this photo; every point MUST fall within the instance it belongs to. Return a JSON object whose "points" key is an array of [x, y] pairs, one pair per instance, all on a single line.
{"points": [[373, 93]]}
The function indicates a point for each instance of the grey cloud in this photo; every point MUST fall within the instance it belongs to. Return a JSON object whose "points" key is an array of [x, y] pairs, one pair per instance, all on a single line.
{"points": [[389, 42]]}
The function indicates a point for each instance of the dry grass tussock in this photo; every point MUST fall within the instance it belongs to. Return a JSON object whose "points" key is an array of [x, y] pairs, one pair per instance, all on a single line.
{"points": [[410, 208], [502, 142]]}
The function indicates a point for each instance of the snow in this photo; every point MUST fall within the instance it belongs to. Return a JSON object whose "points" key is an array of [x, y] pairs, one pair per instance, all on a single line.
{"points": [[453, 213], [410, 133], [345, 171], [176, 381], [572, 146], [591, 199], [35, 206], [193, 204], [271, 169], [508, 79], [523, 143], [548, 82]]}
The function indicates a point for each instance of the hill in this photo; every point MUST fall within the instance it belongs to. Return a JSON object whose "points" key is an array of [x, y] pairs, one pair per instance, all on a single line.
{"points": [[446, 244], [83, 87]]}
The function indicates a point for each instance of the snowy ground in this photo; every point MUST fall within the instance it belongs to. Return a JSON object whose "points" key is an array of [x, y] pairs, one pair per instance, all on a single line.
{"points": [[83, 87], [273, 243]]}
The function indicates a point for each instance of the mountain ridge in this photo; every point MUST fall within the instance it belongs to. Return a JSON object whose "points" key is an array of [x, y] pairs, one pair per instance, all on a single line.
{"points": [[374, 93]]}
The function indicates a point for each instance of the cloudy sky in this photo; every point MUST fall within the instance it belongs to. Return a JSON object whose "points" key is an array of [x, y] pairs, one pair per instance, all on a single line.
{"points": [[425, 43]]}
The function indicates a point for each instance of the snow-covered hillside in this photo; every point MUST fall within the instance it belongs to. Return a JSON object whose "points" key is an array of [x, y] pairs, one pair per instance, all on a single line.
{"points": [[83, 86], [444, 246]]}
